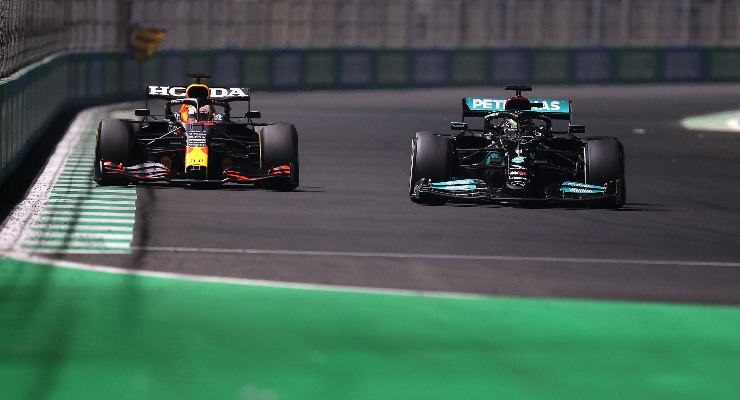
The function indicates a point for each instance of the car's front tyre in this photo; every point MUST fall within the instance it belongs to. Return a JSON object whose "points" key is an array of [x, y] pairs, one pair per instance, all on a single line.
{"points": [[431, 158], [279, 147], [114, 143], [605, 162]]}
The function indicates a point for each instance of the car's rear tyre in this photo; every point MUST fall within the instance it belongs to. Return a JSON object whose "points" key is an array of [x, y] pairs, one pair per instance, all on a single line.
{"points": [[604, 158], [114, 143], [279, 146], [431, 158]]}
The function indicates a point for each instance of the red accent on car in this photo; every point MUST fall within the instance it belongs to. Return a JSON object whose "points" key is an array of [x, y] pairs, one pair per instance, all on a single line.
{"points": [[109, 166], [280, 170], [236, 175], [518, 103]]}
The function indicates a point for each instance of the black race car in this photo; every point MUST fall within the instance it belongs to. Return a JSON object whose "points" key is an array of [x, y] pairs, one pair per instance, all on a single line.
{"points": [[197, 141], [517, 155]]}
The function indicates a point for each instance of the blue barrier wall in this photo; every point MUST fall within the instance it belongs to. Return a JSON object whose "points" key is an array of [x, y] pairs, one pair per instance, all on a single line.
{"points": [[31, 98]]}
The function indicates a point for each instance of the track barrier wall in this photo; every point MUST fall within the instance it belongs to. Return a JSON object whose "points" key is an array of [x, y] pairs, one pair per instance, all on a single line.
{"points": [[32, 98]]}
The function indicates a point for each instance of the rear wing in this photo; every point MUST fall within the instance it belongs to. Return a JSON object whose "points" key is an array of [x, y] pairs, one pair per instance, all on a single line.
{"points": [[482, 106], [178, 92]]}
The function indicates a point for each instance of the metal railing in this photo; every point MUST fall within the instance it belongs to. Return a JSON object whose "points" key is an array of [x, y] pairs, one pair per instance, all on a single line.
{"points": [[33, 29]]}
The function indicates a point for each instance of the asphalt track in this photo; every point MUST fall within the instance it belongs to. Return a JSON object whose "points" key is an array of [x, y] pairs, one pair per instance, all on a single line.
{"points": [[351, 222]]}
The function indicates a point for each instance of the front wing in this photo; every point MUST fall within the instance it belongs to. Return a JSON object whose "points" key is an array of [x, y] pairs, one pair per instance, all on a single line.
{"points": [[476, 190], [157, 172]]}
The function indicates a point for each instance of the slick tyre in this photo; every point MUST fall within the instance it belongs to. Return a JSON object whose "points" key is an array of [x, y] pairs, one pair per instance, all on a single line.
{"points": [[604, 158], [279, 146], [431, 158], [114, 143]]}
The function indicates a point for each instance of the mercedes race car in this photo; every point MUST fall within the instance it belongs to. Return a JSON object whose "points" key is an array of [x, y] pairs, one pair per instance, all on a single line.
{"points": [[197, 141], [524, 151]]}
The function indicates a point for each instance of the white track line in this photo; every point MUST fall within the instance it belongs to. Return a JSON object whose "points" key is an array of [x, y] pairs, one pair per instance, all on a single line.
{"points": [[244, 282], [322, 287], [427, 256]]}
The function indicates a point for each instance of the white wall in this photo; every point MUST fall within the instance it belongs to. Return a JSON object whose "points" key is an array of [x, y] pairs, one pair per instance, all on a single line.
{"points": [[442, 23], [31, 29]]}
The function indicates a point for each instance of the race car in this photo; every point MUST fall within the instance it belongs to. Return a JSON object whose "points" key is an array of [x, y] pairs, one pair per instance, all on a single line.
{"points": [[523, 150], [196, 141]]}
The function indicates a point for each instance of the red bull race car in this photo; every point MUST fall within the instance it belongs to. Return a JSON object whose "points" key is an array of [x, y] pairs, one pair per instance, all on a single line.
{"points": [[197, 141], [523, 151]]}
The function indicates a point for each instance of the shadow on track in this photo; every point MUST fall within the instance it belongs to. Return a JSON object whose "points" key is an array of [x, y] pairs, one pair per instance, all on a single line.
{"points": [[231, 188], [629, 207]]}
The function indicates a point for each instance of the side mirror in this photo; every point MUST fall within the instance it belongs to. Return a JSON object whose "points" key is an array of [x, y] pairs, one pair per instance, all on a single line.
{"points": [[253, 114], [458, 126], [142, 112], [576, 129]]}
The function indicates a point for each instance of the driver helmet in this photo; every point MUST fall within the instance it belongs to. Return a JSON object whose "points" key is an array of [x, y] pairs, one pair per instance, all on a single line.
{"points": [[517, 103], [205, 113], [189, 113], [528, 126], [502, 125], [192, 114]]}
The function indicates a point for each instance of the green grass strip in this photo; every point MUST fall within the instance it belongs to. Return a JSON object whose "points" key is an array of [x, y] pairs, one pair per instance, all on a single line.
{"points": [[79, 335]]}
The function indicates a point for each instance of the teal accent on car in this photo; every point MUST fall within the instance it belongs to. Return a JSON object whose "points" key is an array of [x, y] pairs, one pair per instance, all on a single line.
{"points": [[567, 189], [581, 188], [555, 106], [583, 185], [455, 182], [492, 158], [457, 187], [460, 184]]}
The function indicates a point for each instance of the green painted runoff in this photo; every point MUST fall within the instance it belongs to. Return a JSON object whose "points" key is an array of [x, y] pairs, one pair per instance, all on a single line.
{"points": [[72, 334]]}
